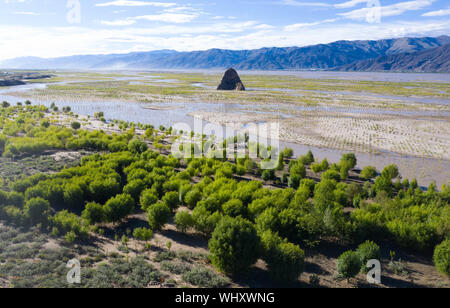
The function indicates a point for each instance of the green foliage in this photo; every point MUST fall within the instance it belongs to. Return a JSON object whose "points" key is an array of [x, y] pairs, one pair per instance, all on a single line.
{"points": [[192, 198], [285, 261], [143, 234], [148, 198], [134, 189], [442, 257], [390, 172], [37, 210], [158, 215], [205, 278], [75, 125], [69, 225], [172, 200], [94, 213], [234, 208], [368, 251], [119, 207], [369, 173], [234, 245], [349, 264], [184, 221], [137, 146]]}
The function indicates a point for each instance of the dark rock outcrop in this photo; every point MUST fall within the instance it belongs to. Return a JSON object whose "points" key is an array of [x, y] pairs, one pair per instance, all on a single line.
{"points": [[231, 81]]}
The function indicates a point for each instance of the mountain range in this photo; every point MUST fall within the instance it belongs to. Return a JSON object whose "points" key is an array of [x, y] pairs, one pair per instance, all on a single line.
{"points": [[427, 54]]}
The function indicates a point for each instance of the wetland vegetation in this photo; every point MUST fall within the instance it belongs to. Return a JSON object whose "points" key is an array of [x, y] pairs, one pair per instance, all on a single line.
{"points": [[137, 216]]}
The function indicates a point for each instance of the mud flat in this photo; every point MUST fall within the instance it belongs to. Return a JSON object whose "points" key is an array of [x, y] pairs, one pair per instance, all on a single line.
{"points": [[407, 122]]}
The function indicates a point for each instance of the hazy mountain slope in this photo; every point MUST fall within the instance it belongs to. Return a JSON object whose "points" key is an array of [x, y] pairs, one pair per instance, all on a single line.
{"points": [[323, 56], [430, 60]]}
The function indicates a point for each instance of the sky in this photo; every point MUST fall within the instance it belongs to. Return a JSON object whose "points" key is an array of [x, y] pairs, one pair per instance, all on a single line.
{"points": [[54, 28]]}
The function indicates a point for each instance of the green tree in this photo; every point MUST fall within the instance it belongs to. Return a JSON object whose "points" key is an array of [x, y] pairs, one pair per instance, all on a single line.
{"points": [[234, 245], [349, 161], [75, 125], [119, 207], [441, 257], [390, 172], [148, 198], [368, 251], [94, 213], [192, 198], [137, 146], [172, 200], [158, 215], [73, 197], [184, 221], [143, 234], [285, 261], [134, 189], [101, 190], [234, 208], [349, 264], [369, 173], [37, 210]]}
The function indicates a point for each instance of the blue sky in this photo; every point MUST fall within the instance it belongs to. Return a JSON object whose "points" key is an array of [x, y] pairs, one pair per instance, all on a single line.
{"points": [[51, 28]]}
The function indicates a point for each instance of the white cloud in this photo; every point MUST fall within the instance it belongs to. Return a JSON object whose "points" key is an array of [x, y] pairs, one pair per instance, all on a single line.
{"points": [[389, 10], [298, 26], [27, 13], [350, 4], [65, 41], [444, 12], [304, 3], [136, 3]]}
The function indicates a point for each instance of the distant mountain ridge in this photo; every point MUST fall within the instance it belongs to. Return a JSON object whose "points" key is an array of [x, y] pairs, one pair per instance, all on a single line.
{"points": [[430, 60], [315, 57]]}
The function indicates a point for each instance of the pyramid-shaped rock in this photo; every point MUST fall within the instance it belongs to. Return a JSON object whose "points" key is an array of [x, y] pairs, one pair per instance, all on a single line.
{"points": [[231, 81]]}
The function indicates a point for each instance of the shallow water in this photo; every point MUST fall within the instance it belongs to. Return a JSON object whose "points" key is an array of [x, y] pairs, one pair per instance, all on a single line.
{"points": [[424, 169]]}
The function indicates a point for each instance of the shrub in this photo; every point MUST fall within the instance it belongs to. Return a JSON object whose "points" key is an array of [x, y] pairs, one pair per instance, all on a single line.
{"points": [[268, 175], [349, 161], [234, 208], [172, 200], [184, 221], [37, 210], [349, 264], [368, 251], [134, 189], [102, 190], [158, 215], [148, 198], [390, 172], [331, 175], [369, 173], [119, 207], [137, 146], [234, 245], [441, 257], [73, 197], [192, 198], [205, 278], [15, 198], [143, 234], [75, 125], [94, 213], [285, 260]]}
